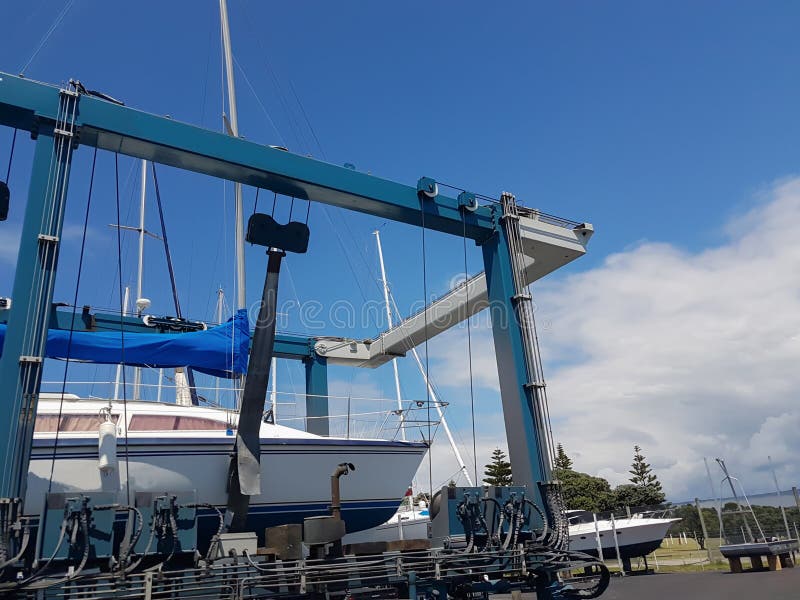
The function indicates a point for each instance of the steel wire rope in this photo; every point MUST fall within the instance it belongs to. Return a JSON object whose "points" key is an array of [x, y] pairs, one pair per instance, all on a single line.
{"points": [[258, 99], [469, 349], [113, 284], [47, 34], [122, 331], [208, 71], [268, 65], [427, 354], [72, 321], [53, 174], [11, 154]]}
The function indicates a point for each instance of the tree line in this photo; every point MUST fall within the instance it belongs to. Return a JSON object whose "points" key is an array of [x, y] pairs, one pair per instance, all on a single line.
{"points": [[582, 491]]}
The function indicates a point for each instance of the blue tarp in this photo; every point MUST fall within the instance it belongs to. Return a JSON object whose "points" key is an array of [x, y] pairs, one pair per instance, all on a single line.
{"points": [[220, 351]]}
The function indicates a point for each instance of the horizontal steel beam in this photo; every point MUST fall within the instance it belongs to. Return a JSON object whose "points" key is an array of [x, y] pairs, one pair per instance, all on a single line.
{"points": [[24, 104], [287, 346], [547, 247]]}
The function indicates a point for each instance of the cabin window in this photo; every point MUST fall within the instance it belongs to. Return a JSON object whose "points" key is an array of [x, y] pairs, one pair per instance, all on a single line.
{"points": [[174, 423], [70, 423]]}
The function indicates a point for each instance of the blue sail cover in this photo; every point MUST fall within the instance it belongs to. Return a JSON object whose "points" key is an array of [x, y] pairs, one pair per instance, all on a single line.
{"points": [[220, 351]]}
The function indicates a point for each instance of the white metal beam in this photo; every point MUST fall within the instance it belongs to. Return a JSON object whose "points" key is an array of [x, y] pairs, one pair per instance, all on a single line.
{"points": [[547, 247]]}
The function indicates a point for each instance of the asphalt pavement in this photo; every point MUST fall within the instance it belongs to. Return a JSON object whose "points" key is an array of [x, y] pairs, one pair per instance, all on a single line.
{"points": [[711, 585]]}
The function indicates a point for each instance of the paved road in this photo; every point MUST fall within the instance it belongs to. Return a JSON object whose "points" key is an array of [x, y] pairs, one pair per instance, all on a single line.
{"points": [[778, 585]]}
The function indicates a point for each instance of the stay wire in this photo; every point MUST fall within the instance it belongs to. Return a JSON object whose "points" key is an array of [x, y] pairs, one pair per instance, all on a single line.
{"points": [[11, 154], [166, 243], [47, 34], [427, 355], [469, 350], [72, 321], [122, 328], [255, 203]]}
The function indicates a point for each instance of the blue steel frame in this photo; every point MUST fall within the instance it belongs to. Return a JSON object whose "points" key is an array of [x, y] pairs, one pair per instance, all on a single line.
{"points": [[287, 346], [33, 106]]}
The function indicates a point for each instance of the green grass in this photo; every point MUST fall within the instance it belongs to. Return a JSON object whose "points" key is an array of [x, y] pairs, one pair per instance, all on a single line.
{"points": [[674, 556]]}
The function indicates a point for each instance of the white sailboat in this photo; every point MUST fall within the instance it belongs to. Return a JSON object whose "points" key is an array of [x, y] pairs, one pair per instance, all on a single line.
{"points": [[169, 447]]}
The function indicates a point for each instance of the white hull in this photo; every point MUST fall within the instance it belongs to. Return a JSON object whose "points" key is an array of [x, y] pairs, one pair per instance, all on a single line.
{"points": [[634, 535], [404, 525], [295, 466]]}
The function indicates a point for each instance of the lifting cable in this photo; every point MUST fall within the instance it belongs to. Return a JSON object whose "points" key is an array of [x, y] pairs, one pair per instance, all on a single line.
{"points": [[72, 320], [469, 349], [122, 328], [11, 155], [171, 270], [427, 355]]}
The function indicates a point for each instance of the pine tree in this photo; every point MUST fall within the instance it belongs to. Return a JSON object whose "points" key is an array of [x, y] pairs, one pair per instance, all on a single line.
{"points": [[644, 478], [563, 462], [498, 472]]}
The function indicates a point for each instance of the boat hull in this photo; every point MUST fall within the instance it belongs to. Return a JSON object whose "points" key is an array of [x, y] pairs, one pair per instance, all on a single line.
{"points": [[295, 475], [635, 537]]}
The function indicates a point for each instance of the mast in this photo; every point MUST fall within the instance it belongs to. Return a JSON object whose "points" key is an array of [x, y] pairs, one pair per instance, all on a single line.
{"points": [[220, 303], [462, 466], [141, 303], [125, 301], [273, 394], [389, 326], [233, 130]]}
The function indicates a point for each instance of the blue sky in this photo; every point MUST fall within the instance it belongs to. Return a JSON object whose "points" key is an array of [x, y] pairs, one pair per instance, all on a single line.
{"points": [[657, 122]]}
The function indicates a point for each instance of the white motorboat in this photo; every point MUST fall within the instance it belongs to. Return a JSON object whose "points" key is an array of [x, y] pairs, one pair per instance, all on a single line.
{"points": [[408, 523], [637, 535], [169, 447]]}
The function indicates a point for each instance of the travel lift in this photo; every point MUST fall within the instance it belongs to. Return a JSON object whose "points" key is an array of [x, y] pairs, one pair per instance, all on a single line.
{"points": [[512, 537]]}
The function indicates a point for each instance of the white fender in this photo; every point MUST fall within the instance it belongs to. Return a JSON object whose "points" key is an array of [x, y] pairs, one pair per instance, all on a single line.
{"points": [[107, 448]]}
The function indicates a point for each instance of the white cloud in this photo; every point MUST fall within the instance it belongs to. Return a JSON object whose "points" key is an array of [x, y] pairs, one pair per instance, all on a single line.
{"points": [[689, 354]]}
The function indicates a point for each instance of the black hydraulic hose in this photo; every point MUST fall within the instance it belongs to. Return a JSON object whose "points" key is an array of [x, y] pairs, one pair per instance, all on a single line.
{"points": [[61, 536], [146, 548], [212, 547], [26, 534], [173, 525], [545, 527], [493, 536], [84, 523]]}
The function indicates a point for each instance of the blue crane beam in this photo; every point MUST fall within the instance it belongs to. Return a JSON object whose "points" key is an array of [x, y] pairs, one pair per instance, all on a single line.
{"points": [[287, 346], [24, 104]]}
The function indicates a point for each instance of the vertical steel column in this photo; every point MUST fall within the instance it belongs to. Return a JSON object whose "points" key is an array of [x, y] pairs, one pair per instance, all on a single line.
{"points": [[317, 394], [524, 443], [24, 347]]}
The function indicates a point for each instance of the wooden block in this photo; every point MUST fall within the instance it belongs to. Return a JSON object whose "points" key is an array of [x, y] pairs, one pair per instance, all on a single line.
{"points": [[774, 563], [755, 562], [735, 564], [786, 561]]}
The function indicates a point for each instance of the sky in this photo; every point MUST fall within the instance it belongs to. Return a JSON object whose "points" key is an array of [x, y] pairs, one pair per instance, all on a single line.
{"points": [[671, 127]]}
